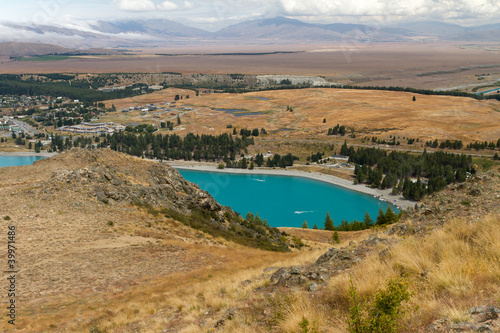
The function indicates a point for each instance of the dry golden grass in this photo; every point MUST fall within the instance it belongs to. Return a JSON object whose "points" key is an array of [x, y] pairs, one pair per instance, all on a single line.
{"points": [[325, 236], [369, 113], [178, 300], [219, 291], [451, 270], [340, 173]]}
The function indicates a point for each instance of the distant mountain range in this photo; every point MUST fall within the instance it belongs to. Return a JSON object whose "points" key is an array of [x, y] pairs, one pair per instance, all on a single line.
{"points": [[157, 32]]}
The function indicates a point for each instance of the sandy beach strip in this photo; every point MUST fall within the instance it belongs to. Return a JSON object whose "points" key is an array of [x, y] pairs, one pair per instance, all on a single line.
{"points": [[384, 195]]}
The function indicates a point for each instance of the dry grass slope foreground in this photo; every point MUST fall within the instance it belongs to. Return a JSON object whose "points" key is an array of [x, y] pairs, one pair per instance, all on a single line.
{"points": [[87, 265]]}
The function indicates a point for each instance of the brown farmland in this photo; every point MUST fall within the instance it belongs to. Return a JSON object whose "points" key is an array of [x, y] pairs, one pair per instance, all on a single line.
{"points": [[430, 66]]}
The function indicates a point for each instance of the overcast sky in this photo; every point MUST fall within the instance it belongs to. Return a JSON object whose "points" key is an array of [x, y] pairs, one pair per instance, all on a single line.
{"points": [[212, 15]]}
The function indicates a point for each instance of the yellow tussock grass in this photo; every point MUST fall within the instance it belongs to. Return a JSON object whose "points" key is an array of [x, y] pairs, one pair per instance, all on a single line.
{"points": [[451, 270]]}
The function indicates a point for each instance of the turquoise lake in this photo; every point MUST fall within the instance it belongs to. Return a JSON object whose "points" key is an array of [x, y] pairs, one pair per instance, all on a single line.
{"points": [[286, 201], [283, 200], [8, 161]]}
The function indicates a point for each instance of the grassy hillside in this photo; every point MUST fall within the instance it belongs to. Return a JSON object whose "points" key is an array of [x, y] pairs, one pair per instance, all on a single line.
{"points": [[118, 266]]}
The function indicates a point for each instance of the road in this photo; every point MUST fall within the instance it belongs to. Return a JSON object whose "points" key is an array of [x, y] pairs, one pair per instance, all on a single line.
{"points": [[27, 129]]}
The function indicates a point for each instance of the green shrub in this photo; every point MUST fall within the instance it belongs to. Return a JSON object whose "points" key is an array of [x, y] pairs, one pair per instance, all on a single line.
{"points": [[335, 237], [304, 326], [280, 304], [297, 242], [382, 313]]}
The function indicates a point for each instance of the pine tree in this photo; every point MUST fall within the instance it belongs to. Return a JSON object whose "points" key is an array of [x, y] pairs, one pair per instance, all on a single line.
{"points": [[328, 222], [324, 120], [383, 185], [390, 216], [315, 227], [414, 98], [304, 225], [368, 220], [344, 150], [380, 217]]}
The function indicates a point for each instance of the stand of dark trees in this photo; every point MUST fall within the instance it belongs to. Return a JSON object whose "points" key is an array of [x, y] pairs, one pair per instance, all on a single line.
{"points": [[337, 130], [243, 89], [165, 147], [381, 169], [457, 144], [388, 217], [281, 161], [484, 145], [224, 147], [425, 91], [81, 90]]}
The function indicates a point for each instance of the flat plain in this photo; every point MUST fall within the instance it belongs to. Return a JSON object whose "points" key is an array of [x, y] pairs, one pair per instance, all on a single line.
{"points": [[419, 65]]}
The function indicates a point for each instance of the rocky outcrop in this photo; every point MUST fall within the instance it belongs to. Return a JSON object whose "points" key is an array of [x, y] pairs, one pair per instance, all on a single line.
{"points": [[166, 188], [472, 199], [482, 319], [333, 262], [112, 178]]}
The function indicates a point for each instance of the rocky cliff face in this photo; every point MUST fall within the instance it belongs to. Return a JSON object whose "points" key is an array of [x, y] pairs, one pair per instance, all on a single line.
{"points": [[165, 188]]}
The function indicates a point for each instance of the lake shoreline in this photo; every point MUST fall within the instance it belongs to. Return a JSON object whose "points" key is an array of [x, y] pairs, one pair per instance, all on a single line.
{"points": [[383, 195]]}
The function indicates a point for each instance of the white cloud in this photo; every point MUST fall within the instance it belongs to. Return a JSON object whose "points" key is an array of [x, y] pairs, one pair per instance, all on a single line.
{"points": [[149, 5], [394, 9], [135, 5], [220, 13], [167, 5], [188, 5]]}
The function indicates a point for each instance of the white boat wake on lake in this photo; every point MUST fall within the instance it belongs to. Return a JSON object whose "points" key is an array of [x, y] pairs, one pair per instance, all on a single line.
{"points": [[259, 180], [303, 211]]}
